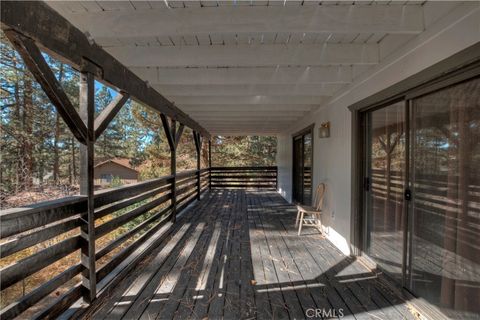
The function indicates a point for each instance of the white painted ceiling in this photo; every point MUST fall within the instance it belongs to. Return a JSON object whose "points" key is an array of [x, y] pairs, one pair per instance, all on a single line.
{"points": [[248, 67]]}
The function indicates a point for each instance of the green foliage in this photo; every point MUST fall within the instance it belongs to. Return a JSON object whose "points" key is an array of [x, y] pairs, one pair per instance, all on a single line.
{"points": [[37, 148], [244, 151], [116, 182]]}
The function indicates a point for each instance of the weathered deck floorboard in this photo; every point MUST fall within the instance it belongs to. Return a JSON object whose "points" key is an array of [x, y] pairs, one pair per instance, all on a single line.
{"points": [[236, 255]]}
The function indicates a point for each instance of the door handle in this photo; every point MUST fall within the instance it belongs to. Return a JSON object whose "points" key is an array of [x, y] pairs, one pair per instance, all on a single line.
{"points": [[408, 194]]}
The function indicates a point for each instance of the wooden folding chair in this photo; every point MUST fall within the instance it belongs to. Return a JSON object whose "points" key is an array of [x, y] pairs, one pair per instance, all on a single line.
{"points": [[310, 215]]}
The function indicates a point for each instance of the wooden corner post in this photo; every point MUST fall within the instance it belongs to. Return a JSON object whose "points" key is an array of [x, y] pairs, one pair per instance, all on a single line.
{"points": [[87, 229], [173, 138], [173, 170], [81, 124], [198, 146], [210, 164]]}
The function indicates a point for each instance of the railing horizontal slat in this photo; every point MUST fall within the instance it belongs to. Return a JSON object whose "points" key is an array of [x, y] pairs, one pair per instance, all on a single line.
{"points": [[127, 202], [26, 218], [187, 195], [241, 186], [186, 173], [273, 168], [17, 307], [28, 240], [115, 243], [111, 195], [119, 257], [126, 217], [37, 261], [61, 304]]}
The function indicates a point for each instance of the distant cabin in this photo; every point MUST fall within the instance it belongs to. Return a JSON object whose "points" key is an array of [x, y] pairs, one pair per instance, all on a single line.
{"points": [[106, 171]]}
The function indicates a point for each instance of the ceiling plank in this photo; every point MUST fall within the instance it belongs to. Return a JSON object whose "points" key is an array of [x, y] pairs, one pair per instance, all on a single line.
{"points": [[252, 89], [255, 75], [244, 19], [247, 107], [256, 99], [248, 55]]}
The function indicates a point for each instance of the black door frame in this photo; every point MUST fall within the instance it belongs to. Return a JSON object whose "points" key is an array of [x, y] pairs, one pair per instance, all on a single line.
{"points": [[302, 132]]}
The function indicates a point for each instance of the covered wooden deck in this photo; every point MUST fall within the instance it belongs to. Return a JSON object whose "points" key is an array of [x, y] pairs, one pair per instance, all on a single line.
{"points": [[236, 254]]}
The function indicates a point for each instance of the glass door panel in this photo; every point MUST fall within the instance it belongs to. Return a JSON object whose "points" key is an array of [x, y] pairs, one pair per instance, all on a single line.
{"points": [[302, 167], [445, 244], [386, 161], [298, 169], [307, 168]]}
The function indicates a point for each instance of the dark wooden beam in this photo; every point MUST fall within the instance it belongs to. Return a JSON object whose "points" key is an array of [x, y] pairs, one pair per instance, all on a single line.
{"points": [[39, 68], [173, 169], [198, 146], [172, 134], [210, 164], [107, 115], [168, 132], [178, 134], [197, 141], [87, 227], [58, 37]]}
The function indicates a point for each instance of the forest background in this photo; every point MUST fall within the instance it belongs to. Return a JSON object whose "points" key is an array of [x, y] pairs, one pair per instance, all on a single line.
{"points": [[40, 156]]}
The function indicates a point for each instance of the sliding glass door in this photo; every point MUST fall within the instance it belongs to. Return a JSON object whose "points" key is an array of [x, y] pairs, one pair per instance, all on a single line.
{"points": [[302, 167], [445, 243], [422, 195], [385, 183]]}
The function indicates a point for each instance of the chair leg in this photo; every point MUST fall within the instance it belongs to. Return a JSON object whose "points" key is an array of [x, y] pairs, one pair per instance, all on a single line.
{"points": [[301, 223], [296, 220], [319, 223]]}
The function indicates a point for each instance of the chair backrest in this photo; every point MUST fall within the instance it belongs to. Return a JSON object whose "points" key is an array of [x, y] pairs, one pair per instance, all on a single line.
{"points": [[319, 196]]}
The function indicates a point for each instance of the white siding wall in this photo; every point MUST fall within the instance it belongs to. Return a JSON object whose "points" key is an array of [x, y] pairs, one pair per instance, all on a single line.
{"points": [[332, 156]]}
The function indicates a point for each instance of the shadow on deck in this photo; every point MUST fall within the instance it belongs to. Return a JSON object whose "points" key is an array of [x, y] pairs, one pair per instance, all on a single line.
{"points": [[236, 254]]}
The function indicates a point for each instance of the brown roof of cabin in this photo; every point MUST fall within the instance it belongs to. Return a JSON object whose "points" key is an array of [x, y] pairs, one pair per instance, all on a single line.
{"points": [[124, 162]]}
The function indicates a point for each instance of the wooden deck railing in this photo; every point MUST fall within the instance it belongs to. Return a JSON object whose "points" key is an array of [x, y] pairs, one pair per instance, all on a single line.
{"points": [[244, 177], [26, 227]]}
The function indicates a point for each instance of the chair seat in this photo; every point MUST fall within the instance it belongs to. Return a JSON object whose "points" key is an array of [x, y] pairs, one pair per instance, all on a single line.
{"points": [[308, 209]]}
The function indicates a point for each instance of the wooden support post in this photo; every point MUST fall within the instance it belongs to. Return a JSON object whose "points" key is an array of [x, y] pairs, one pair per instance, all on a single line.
{"points": [[276, 178], [198, 146], [210, 164], [170, 131], [87, 229], [173, 171]]}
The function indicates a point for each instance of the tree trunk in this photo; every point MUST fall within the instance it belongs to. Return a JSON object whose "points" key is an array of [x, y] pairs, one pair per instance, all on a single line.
{"points": [[16, 119], [27, 120], [56, 161], [73, 177]]}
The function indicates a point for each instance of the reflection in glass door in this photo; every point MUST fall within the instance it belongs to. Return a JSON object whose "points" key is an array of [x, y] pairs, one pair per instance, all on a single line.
{"points": [[302, 167], [384, 187], [445, 166]]}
